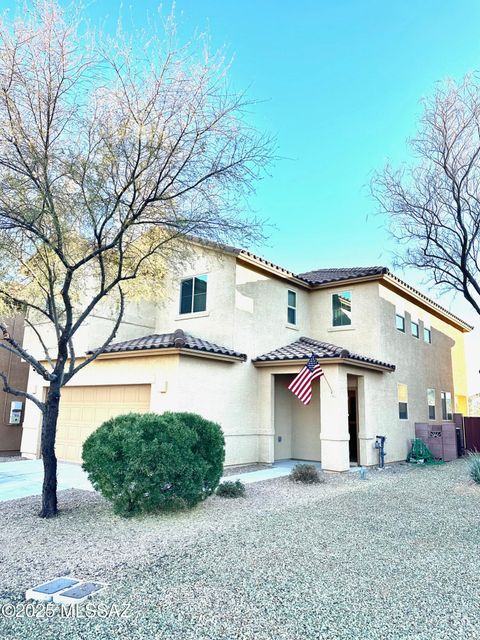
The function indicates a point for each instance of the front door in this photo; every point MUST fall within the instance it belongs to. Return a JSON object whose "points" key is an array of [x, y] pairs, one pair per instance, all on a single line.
{"points": [[353, 424]]}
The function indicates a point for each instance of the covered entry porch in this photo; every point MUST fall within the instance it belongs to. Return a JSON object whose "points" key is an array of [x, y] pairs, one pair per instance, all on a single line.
{"points": [[339, 426]]}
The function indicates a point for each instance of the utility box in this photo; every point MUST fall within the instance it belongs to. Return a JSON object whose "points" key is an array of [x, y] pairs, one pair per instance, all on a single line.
{"points": [[440, 438], [15, 412]]}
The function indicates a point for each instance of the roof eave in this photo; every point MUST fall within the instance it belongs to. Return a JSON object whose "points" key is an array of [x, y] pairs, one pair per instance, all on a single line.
{"points": [[325, 361], [136, 353], [394, 283], [251, 260]]}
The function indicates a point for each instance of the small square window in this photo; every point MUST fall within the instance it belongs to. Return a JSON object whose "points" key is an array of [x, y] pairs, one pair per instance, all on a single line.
{"points": [[415, 329], [400, 322], [427, 335]]}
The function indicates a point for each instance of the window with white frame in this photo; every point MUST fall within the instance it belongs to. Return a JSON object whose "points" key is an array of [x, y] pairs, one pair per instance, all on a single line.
{"points": [[402, 393], [447, 412], [431, 403], [342, 309], [291, 307], [193, 295]]}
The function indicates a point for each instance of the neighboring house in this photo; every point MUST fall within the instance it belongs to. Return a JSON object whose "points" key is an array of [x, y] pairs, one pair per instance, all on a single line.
{"points": [[11, 407], [230, 335], [474, 405]]}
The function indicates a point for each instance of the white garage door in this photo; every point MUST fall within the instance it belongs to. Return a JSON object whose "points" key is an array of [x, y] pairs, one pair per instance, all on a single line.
{"points": [[83, 409]]}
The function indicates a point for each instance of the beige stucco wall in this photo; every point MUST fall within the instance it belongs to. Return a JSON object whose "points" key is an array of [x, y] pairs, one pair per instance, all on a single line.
{"points": [[179, 383], [363, 335], [138, 321], [439, 365]]}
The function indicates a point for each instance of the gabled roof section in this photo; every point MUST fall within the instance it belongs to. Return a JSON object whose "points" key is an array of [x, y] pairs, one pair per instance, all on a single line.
{"points": [[179, 340], [303, 348], [324, 276]]}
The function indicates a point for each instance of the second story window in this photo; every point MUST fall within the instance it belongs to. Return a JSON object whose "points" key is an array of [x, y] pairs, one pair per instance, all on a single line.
{"points": [[400, 322], [427, 335], [342, 309], [193, 295], [415, 329], [292, 307]]}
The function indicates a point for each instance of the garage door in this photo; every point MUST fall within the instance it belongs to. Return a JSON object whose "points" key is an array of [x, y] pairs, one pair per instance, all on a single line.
{"points": [[83, 409]]}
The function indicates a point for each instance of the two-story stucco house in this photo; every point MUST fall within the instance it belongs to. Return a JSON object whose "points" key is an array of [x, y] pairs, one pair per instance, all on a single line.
{"points": [[232, 332]]}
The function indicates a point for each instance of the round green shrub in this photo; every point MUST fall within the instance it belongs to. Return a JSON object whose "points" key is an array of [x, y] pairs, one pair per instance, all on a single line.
{"points": [[149, 462]]}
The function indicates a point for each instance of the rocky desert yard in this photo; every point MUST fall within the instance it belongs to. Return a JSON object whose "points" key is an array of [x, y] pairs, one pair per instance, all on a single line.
{"points": [[393, 556]]}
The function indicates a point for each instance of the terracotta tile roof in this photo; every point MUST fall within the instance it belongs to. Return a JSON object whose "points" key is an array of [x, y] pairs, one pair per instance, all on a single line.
{"points": [[323, 276], [302, 349], [177, 340]]}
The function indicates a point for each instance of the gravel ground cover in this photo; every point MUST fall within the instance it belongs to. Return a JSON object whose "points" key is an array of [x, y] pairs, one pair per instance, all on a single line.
{"points": [[394, 556]]}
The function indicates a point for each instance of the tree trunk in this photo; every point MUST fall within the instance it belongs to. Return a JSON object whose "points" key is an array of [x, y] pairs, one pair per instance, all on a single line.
{"points": [[49, 429]]}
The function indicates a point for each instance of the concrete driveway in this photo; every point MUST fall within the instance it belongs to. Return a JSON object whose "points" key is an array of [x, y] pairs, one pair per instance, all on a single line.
{"points": [[22, 478]]}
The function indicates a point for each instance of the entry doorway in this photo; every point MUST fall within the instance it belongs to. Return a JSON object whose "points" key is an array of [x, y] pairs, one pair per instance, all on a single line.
{"points": [[353, 425], [297, 427]]}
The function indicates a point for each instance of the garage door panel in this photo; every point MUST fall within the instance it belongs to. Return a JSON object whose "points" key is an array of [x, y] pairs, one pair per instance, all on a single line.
{"points": [[84, 409]]}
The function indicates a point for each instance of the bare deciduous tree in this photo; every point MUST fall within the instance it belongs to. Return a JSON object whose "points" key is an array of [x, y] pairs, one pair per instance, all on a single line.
{"points": [[434, 204], [111, 151]]}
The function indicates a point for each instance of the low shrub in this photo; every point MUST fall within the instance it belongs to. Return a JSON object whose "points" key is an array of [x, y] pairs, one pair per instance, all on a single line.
{"points": [[474, 466], [230, 489], [149, 462], [306, 473]]}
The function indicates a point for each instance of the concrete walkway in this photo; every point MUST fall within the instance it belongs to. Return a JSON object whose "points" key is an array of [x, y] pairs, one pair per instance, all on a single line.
{"points": [[22, 478], [279, 469]]}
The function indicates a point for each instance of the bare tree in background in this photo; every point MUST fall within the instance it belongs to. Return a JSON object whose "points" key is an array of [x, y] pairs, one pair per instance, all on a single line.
{"points": [[110, 153], [434, 204]]}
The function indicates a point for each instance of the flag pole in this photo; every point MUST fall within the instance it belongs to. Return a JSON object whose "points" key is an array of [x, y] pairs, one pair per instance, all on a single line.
{"points": [[326, 380]]}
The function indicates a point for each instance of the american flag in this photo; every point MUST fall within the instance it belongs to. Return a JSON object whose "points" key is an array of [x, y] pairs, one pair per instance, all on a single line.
{"points": [[301, 385]]}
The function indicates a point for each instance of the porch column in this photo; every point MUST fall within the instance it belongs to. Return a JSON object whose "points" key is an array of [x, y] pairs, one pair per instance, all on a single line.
{"points": [[334, 434], [367, 421], [266, 428]]}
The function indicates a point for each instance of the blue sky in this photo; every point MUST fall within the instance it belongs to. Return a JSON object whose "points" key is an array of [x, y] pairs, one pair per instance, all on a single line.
{"points": [[341, 81]]}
